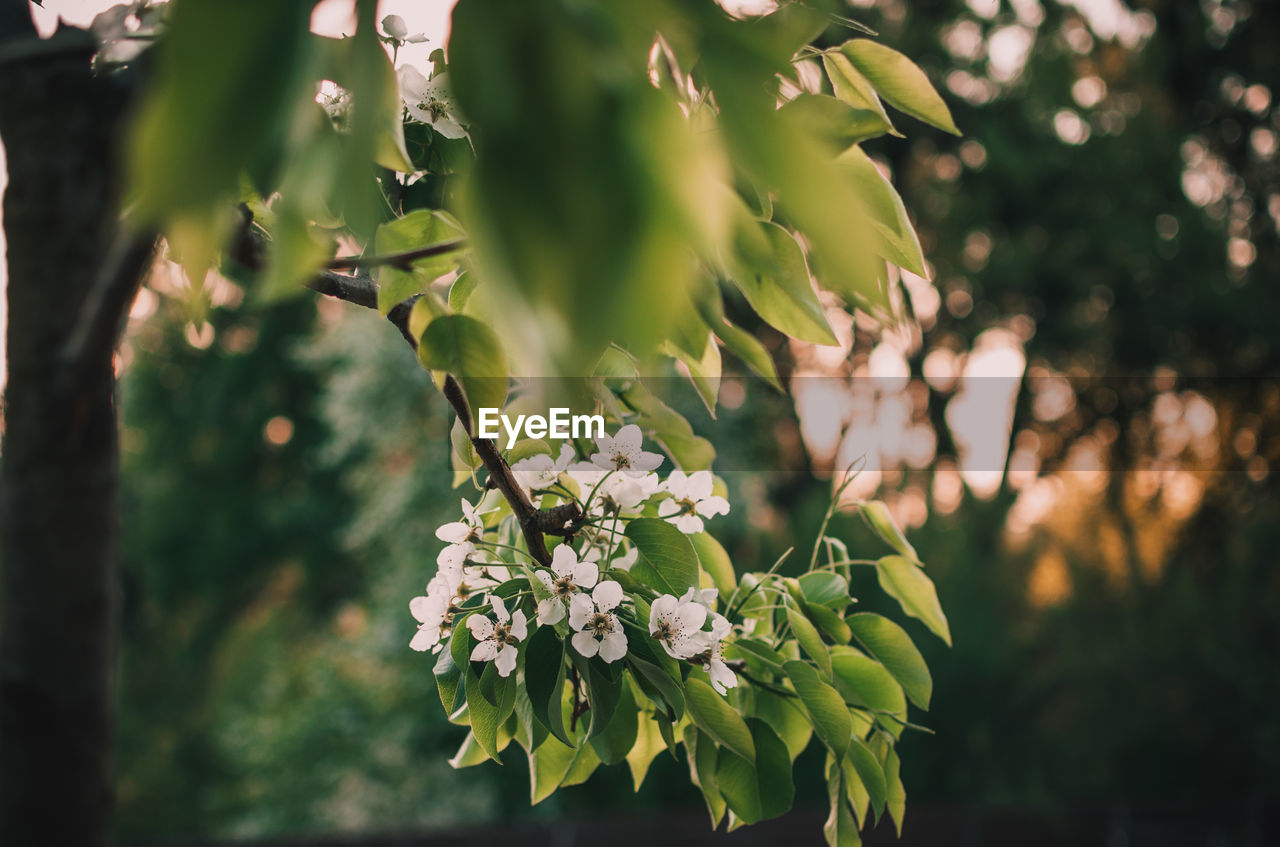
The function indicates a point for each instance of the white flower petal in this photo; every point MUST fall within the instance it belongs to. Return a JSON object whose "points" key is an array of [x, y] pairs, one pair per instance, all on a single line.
{"points": [[480, 626], [677, 484], [425, 638], [499, 608], [585, 643], [626, 560], [394, 26], [585, 574], [607, 595], [688, 524], [519, 626], [712, 506], [420, 608], [563, 560], [663, 609], [614, 645], [667, 508], [485, 651], [700, 485], [580, 610], [454, 533], [506, 661], [550, 611]]}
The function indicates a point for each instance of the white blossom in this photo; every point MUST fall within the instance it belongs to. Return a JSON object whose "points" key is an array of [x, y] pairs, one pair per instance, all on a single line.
{"points": [[429, 101], [677, 624], [568, 576], [722, 677], [396, 29], [465, 531], [541, 471], [596, 628], [496, 641], [626, 560], [691, 501], [621, 452], [434, 611]]}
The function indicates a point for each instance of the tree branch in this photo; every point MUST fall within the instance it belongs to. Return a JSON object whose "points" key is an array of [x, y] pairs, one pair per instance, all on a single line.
{"points": [[403, 260]]}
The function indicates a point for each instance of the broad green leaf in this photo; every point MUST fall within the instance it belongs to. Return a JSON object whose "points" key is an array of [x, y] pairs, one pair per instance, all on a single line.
{"points": [[840, 830], [900, 82], [863, 681], [461, 290], [700, 751], [469, 350], [810, 641], [852, 87], [715, 562], [649, 743], [657, 683], [786, 717], [866, 765], [754, 648], [583, 767], [889, 644], [603, 684], [423, 228], [829, 622], [877, 516], [885, 211], [550, 764], [704, 371], [825, 589], [748, 348], [896, 795], [490, 701], [908, 584], [528, 731], [761, 790], [448, 677], [714, 716], [778, 287], [544, 673], [615, 740], [824, 704], [835, 123], [667, 560]]}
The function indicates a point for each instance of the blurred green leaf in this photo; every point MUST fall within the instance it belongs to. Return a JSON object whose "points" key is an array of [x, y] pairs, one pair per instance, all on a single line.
{"points": [[900, 81]]}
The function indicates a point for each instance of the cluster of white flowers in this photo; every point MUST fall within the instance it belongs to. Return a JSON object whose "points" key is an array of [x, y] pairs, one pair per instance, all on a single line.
{"points": [[613, 486], [677, 624]]}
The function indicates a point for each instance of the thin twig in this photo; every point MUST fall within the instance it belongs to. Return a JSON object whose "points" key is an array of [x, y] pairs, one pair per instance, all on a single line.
{"points": [[403, 260]]}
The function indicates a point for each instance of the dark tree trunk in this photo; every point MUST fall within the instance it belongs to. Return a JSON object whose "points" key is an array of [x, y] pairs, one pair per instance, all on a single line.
{"points": [[58, 466]]}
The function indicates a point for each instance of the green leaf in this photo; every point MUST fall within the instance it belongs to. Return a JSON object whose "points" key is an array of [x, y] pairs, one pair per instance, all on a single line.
{"points": [[877, 516], [810, 641], [490, 700], [855, 89], [863, 681], [700, 751], [889, 644], [896, 795], [604, 684], [461, 290], [779, 288], [748, 348], [757, 649], [649, 743], [550, 764], [900, 81], [423, 228], [761, 790], [788, 720], [866, 765], [825, 706], [714, 716], [657, 683], [448, 677], [825, 589], [615, 740], [715, 562], [544, 672], [583, 767], [908, 584], [896, 237], [704, 371], [667, 560], [829, 622], [470, 351], [836, 124], [841, 830]]}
